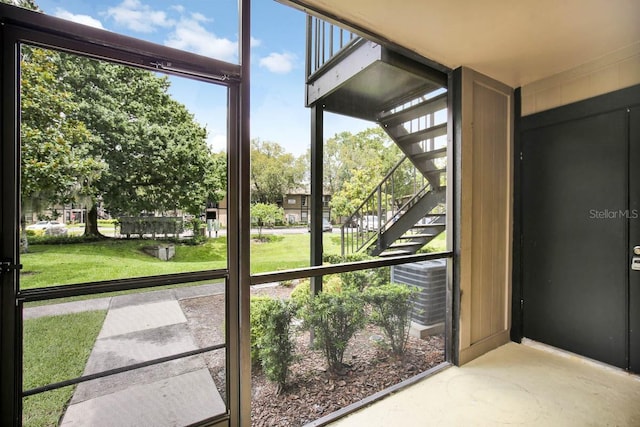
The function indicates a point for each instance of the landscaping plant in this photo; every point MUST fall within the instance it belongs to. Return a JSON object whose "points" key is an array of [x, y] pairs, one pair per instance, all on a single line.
{"points": [[275, 346], [258, 307], [391, 307], [335, 317]]}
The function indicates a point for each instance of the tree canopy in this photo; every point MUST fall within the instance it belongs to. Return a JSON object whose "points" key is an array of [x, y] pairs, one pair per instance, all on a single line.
{"points": [[274, 172], [112, 134], [355, 164], [265, 214], [56, 163]]}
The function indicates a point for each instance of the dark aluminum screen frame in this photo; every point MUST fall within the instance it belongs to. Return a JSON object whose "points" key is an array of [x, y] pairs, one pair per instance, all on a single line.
{"points": [[23, 26]]}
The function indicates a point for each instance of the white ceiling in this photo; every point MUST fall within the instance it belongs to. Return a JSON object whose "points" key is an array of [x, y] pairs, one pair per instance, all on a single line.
{"points": [[514, 41]]}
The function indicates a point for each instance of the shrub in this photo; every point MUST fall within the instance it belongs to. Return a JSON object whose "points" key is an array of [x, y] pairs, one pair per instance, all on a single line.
{"points": [[267, 238], [275, 346], [359, 279], [379, 276], [42, 239], [362, 278], [300, 294], [258, 306], [335, 317], [338, 259], [391, 306]]}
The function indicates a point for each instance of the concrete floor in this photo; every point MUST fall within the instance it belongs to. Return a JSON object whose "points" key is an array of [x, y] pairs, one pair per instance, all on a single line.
{"points": [[523, 385]]}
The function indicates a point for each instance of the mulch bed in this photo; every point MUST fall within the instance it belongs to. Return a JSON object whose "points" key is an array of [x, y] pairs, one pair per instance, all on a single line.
{"points": [[313, 391]]}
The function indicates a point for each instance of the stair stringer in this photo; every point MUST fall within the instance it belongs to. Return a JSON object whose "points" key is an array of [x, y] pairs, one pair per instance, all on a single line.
{"points": [[407, 220]]}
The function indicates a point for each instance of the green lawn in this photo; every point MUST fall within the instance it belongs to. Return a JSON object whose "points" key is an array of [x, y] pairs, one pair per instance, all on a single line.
{"points": [[48, 265], [56, 348]]}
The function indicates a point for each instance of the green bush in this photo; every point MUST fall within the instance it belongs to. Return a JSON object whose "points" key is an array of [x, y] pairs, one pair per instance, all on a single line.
{"points": [[391, 306], [275, 347], [379, 276], [335, 317], [362, 278], [300, 294], [267, 238], [359, 279], [61, 239], [257, 308], [339, 259]]}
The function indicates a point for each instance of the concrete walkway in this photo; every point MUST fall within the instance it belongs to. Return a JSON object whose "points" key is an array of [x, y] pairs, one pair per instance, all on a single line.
{"points": [[141, 327]]}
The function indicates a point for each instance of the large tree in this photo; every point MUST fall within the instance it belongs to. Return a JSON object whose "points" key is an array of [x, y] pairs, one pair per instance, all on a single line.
{"points": [[355, 164], [56, 165], [345, 153], [156, 152], [274, 172]]}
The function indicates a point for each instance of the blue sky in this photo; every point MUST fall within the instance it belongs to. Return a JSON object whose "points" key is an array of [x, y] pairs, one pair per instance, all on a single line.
{"points": [[211, 28]]}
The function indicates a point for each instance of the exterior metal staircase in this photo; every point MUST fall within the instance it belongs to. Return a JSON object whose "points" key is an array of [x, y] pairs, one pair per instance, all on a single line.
{"points": [[351, 76]]}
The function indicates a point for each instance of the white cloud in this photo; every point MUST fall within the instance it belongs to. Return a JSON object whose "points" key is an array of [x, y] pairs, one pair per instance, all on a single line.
{"points": [[191, 36], [199, 17], [217, 142], [280, 63], [80, 19], [255, 42], [139, 17]]}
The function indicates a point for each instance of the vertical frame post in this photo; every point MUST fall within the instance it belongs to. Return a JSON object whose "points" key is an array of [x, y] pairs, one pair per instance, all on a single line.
{"points": [[239, 234], [316, 192], [10, 376]]}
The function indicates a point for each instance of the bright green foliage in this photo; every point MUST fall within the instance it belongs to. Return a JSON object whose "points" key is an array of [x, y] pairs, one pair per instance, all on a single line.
{"points": [[391, 310], [156, 151], [258, 307], [379, 276], [265, 214], [275, 347], [93, 130], [354, 164], [359, 279], [335, 318], [300, 295], [337, 259], [273, 172], [56, 163]]}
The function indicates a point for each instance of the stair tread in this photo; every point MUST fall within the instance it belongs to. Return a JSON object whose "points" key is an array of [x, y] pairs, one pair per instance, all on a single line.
{"points": [[418, 236], [421, 135], [421, 109], [406, 244], [432, 154], [423, 226], [394, 252]]}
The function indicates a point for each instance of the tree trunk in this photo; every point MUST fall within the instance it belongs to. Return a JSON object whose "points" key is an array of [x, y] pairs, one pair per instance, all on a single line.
{"points": [[91, 223], [24, 242]]}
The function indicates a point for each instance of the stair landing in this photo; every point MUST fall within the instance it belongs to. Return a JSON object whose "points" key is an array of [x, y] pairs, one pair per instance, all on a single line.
{"points": [[368, 81]]}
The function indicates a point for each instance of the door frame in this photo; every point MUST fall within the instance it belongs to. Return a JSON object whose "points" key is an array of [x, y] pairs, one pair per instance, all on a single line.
{"points": [[618, 100]]}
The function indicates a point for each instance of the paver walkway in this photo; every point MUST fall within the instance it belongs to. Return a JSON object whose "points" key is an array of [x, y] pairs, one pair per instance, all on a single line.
{"points": [[138, 328]]}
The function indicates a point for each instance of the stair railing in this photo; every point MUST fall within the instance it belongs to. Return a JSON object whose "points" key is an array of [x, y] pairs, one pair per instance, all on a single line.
{"points": [[325, 42], [398, 191]]}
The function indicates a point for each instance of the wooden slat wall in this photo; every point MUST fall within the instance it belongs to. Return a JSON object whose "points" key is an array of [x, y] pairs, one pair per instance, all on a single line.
{"points": [[486, 214]]}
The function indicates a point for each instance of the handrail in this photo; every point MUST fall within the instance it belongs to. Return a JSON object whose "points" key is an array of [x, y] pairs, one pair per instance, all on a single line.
{"points": [[373, 192], [325, 41], [382, 206]]}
